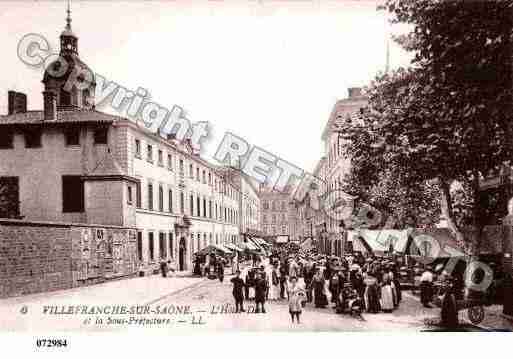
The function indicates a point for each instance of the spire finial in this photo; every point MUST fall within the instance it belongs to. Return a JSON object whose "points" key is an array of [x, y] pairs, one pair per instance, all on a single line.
{"points": [[68, 17]]}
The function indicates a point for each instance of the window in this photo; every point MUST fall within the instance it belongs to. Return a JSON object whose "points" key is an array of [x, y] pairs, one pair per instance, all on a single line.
{"points": [[170, 201], [160, 158], [138, 194], [9, 197], [197, 174], [170, 162], [138, 148], [204, 177], [181, 166], [171, 247], [192, 205], [182, 203], [161, 199], [151, 247], [266, 205], [149, 153], [150, 197], [162, 245], [274, 218], [129, 194], [139, 246], [264, 219], [209, 179], [210, 208], [198, 206], [72, 194], [72, 136], [6, 139], [283, 205], [204, 207], [100, 136], [191, 171], [33, 138]]}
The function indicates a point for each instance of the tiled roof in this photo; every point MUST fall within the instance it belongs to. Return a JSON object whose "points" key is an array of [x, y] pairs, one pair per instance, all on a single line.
{"points": [[63, 116]]}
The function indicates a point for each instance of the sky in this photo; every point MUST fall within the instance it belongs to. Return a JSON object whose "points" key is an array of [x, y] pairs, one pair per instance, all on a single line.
{"points": [[267, 71]]}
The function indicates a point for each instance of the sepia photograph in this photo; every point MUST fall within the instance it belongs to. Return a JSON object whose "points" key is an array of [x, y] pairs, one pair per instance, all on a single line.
{"points": [[255, 166]]}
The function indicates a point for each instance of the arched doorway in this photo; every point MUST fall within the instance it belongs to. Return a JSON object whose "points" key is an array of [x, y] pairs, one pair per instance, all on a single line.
{"points": [[182, 252]]}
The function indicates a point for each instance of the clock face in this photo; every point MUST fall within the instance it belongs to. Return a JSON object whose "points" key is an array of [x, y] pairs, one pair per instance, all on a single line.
{"points": [[68, 46]]}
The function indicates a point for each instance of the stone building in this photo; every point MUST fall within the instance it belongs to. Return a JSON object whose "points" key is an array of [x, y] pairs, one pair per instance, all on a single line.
{"points": [[330, 171], [278, 213], [72, 164]]}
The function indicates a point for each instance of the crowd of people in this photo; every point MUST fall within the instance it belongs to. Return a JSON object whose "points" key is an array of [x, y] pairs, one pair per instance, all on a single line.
{"points": [[350, 286]]}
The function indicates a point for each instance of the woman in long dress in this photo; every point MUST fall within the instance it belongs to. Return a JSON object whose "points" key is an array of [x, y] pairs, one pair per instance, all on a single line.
{"points": [[275, 284], [272, 279], [318, 290], [297, 296], [387, 295]]}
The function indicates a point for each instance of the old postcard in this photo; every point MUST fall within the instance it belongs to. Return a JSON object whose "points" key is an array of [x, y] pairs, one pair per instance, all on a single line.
{"points": [[255, 166]]}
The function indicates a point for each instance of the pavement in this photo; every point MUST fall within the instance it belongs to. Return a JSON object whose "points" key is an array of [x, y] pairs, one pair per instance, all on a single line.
{"points": [[26, 313]]}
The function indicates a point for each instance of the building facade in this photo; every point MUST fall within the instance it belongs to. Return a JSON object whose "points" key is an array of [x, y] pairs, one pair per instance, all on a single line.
{"points": [[279, 215], [328, 231], [70, 163]]}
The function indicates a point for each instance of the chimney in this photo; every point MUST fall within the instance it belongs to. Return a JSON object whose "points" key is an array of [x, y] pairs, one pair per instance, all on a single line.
{"points": [[17, 102], [50, 106], [355, 92]]}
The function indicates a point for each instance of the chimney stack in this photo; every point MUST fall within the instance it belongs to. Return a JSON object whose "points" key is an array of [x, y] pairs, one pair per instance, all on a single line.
{"points": [[50, 106], [355, 92], [17, 102]]}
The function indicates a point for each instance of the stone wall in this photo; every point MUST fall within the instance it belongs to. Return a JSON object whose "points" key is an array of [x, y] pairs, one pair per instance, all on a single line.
{"points": [[42, 256]]}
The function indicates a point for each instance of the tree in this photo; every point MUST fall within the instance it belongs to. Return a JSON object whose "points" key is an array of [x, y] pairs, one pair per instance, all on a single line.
{"points": [[446, 118]]}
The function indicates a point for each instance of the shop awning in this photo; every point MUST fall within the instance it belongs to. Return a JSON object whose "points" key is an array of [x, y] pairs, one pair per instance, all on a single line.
{"points": [[379, 241], [260, 241], [434, 243], [223, 248], [214, 248], [233, 247], [250, 246]]}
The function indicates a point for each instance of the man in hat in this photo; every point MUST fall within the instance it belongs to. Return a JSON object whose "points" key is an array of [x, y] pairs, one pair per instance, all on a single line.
{"points": [[238, 295], [261, 287]]}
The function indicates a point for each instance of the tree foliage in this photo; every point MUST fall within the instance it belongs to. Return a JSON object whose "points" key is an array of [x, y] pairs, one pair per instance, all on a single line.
{"points": [[446, 117]]}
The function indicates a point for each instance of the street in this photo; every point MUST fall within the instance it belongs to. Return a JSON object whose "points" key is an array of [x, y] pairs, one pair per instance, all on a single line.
{"points": [[187, 303], [213, 296]]}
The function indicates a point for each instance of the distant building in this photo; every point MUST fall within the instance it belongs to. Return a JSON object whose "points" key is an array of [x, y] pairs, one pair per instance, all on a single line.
{"points": [[331, 169], [278, 213]]}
